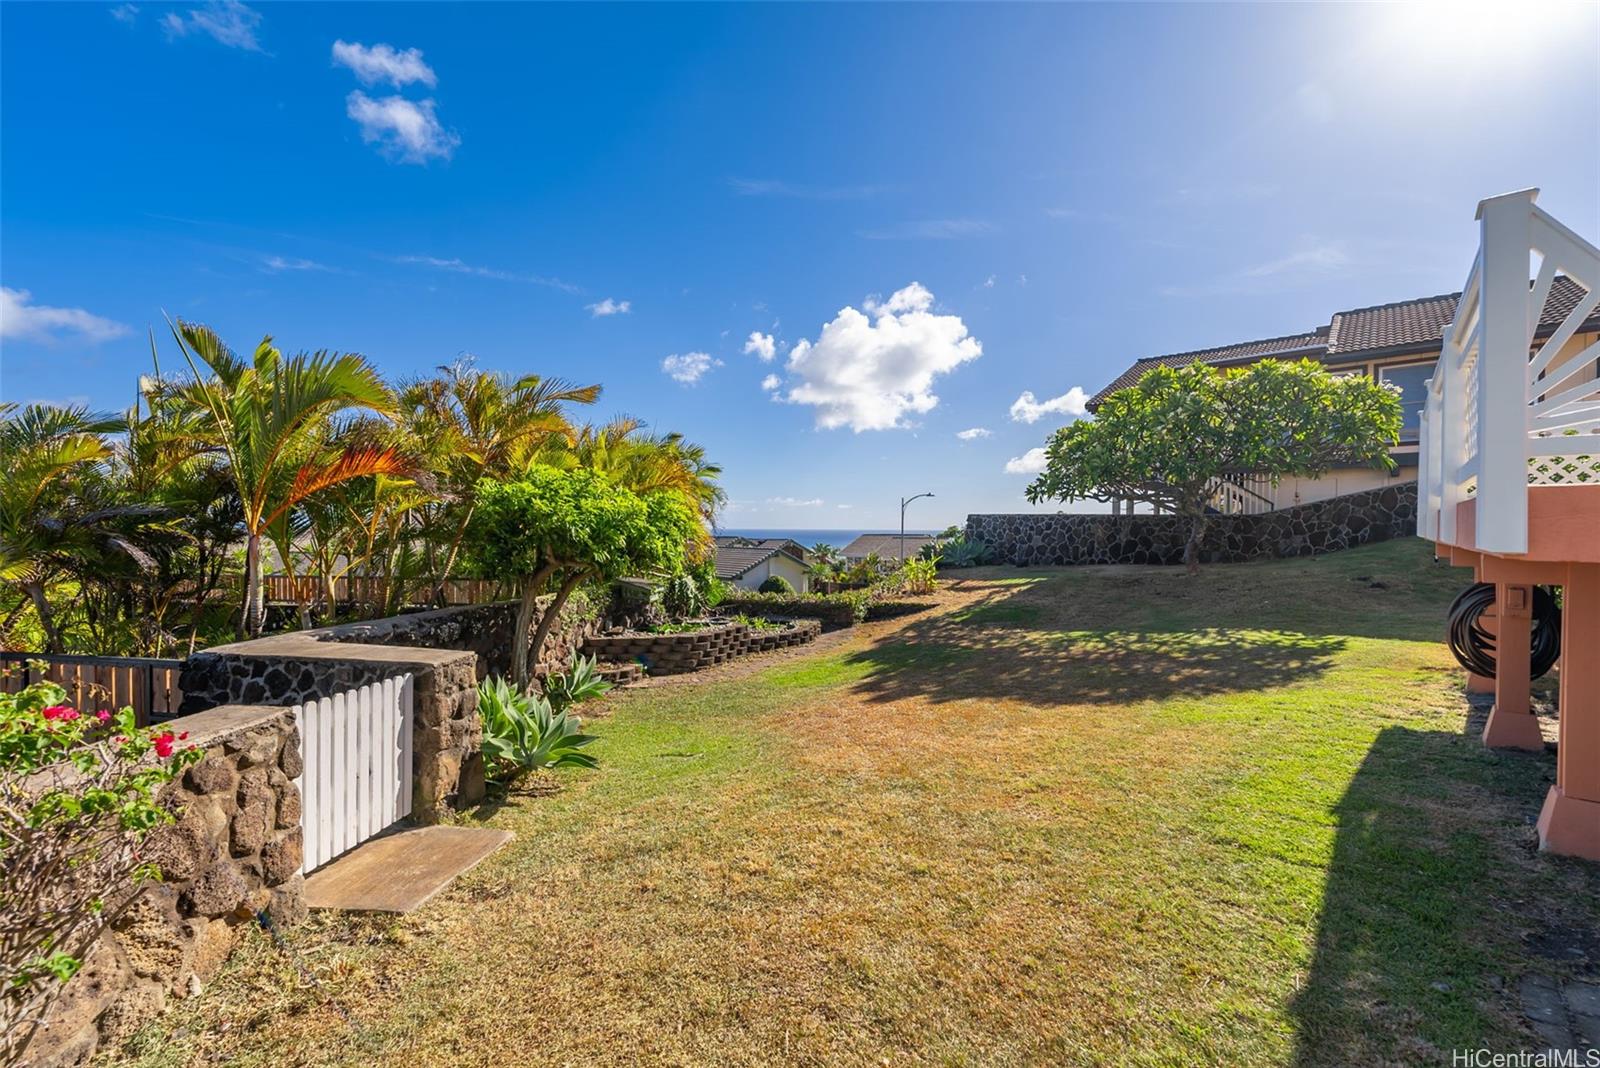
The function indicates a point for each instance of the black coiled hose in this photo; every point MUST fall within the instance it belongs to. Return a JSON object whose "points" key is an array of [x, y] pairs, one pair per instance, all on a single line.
{"points": [[1474, 647]]}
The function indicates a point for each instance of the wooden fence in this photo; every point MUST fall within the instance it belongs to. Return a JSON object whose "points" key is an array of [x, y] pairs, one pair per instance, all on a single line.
{"points": [[95, 682], [370, 590]]}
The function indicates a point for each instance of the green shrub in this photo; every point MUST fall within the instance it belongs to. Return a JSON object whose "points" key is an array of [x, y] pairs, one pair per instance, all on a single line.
{"points": [[835, 610], [776, 584], [914, 576], [960, 552], [523, 733], [580, 682], [69, 851], [681, 596]]}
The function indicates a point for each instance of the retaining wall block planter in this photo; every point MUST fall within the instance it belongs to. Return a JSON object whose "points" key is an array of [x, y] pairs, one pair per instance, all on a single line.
{"points": [[677, 654]]}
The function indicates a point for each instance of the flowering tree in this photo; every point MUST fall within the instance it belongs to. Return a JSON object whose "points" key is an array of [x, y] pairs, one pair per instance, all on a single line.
{"points": [[77, 796], [1168, 439]]}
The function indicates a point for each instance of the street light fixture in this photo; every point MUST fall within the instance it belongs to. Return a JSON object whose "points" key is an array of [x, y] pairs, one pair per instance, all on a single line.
{"points": [[903, 502]]}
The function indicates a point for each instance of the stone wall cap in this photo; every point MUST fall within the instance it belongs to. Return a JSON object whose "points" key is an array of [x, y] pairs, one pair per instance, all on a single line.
{"points": [[217, 725], [304, 645]]}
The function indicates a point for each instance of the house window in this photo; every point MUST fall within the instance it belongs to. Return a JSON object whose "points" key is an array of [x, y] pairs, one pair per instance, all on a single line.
{"points": [[1413, 382]]}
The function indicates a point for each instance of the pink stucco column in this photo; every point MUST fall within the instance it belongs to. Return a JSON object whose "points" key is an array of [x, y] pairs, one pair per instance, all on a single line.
{"points": [[1570, 821], [1512, 724]]}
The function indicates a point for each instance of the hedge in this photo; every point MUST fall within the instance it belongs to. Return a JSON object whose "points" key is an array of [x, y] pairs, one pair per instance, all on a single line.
{"points": [[835, 610]]}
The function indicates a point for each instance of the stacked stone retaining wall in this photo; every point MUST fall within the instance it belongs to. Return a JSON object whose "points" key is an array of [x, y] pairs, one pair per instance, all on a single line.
{"points": [[1304, 530], [233, 854]]}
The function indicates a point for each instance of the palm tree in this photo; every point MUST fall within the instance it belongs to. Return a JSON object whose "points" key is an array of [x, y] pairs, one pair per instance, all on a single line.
{"points": [[644, 463], [265, 417], [475, 424], [51, 514]]}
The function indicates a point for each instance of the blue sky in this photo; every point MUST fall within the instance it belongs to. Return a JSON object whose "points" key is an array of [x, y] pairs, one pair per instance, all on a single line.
{"points": [[922, 212]]}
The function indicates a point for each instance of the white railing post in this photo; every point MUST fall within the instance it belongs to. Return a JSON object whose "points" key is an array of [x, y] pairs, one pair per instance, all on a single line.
{"points": [[1452, 408], [1504, 336], [1426, 458]]}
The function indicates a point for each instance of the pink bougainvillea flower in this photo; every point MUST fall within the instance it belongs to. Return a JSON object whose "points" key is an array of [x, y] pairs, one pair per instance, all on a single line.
{"points": [[163, 743], [65, 712], [104, 715]]}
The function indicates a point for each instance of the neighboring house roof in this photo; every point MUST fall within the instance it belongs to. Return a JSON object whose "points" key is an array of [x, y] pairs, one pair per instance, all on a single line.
{"points": [[788, 545], [1381, 330], [1292, 345], [743, 555], [886, 545]]}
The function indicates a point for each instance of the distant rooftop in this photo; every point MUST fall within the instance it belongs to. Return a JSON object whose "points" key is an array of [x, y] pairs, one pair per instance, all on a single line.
{"points": [[736, 556], [1381, 330], [886, 546]]}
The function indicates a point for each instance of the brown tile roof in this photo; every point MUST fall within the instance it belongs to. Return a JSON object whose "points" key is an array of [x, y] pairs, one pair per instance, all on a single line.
{"points": [[886, 546], [1384, 326], [1311, 344], [1381, 329]]}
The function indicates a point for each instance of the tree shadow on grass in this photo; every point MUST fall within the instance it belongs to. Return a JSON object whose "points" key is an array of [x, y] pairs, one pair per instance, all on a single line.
{"points": [[1433, 895], [990, 648]]}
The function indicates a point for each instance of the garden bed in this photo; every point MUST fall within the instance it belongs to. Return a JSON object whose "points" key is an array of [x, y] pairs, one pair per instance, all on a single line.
{"points": [[714, 642]]}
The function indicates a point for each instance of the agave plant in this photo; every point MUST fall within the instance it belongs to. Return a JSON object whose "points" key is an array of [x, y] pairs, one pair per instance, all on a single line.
{"points": [[580, 682], [524, 732]]}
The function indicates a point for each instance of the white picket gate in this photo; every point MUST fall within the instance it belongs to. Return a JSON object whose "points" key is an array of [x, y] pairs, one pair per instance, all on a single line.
{"points": [[357, 775]]}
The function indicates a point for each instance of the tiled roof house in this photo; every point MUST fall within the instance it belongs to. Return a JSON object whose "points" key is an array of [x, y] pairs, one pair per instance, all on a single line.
{"points": [[1396, 343]]}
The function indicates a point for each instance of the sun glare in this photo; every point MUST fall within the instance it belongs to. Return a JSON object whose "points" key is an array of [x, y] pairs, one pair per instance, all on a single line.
{"points": [[1451, 31]]}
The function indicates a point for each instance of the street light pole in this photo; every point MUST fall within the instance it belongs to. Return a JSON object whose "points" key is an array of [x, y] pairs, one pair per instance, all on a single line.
{"points": [[903, 502]]}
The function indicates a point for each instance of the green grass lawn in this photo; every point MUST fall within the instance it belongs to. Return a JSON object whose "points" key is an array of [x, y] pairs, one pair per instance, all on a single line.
{"points": [[1104, 815]]}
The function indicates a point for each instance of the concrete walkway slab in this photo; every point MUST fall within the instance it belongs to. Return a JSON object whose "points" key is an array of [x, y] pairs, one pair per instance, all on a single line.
{"points": [[400, 871]]}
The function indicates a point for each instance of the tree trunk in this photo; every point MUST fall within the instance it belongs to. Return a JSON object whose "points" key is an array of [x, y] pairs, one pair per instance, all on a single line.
{"points": [[47, 619], [254, 612], [530, 603], [549, 618], [1191, 550], [450, 557]]}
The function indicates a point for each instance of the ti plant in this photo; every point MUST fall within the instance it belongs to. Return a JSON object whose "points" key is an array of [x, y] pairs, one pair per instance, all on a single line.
{"points": [[523, 733]]}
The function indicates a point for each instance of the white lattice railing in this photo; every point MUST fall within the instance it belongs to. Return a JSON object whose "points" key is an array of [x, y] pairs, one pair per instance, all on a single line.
{"points": [[1503, 411]]}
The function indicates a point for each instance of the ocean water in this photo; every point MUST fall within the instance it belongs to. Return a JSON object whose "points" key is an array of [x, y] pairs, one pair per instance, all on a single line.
{"points": [[837, 538]]}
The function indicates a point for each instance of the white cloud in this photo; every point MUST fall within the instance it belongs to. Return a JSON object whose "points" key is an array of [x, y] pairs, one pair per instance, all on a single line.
{"points": [[1029, 409], [761, 345], [384, 63], [844, 507], [227, 22], [796, 502], [988, 283], [21, 318], [1029, 463], [760, 187], [1312, 261], [609, 307], [457, 266], [1317, 258], [125, 12], [870, 369], [405, 131], [771, 382], [974, 433], [690, 367], [277, 264], [929, 230]]}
